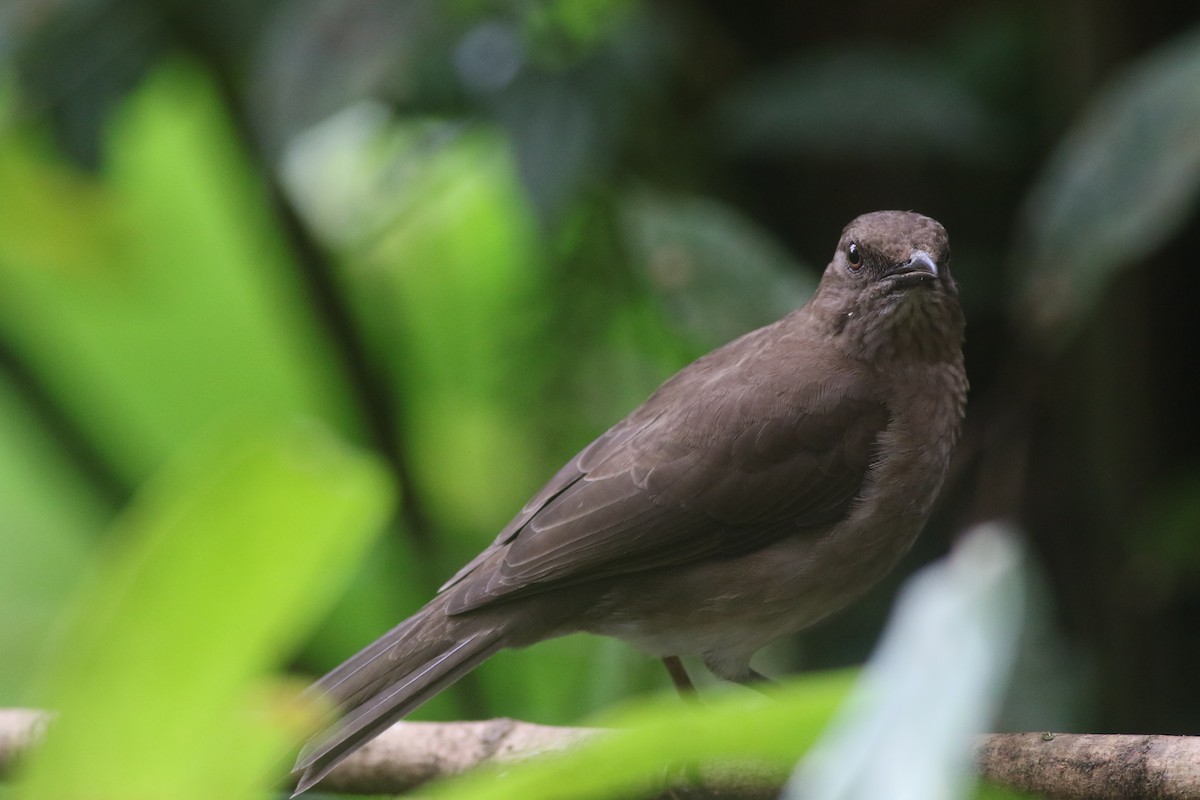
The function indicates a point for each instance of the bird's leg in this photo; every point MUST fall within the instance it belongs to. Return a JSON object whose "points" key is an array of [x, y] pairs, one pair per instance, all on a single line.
{"points": [[689, 774], [679, 677]]}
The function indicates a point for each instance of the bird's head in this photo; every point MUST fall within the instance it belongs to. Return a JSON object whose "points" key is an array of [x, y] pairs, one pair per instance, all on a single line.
{"points": [[888, 290]]}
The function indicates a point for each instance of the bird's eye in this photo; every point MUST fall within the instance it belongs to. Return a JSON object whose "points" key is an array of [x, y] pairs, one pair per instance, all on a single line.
{"points": [[854, 257]]}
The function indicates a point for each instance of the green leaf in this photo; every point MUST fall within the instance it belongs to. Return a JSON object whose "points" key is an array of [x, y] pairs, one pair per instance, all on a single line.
{"points": [[49, 518], [440, 262], [661, 732], [212, 576], [1120, 184], [163, 298]]}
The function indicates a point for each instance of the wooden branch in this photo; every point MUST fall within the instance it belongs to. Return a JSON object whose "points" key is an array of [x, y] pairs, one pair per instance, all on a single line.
{"points": [[409, 754], [1064, 766], [1075, 766]]}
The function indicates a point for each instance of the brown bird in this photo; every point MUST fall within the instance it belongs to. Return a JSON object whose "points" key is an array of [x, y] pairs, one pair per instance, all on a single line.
{"points": [[763, 487]]}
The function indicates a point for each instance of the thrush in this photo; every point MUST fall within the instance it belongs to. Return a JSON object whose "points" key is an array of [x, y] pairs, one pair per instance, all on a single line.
{"points": [[763, 487]]}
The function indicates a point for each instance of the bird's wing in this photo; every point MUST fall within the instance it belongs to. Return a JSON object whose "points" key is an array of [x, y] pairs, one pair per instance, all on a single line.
{"points": [[571, 472], [707, 468]]}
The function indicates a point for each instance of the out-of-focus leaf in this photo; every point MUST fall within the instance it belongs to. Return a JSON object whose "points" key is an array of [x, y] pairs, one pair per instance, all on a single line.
{"points": [[856, 103], [583, 23], [559, 136], [353, 174], [718, 274], [445, 276], [51, 219], [81, 59], [1164, 560], [209, 580], [317, 57], [387, 587], [49, 516], [439, 259], [652, 735], [933, 683], [566, 124], [1119, 185], [164, 299]]}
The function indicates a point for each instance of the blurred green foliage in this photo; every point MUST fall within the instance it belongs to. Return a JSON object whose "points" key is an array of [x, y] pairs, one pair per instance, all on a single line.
{"points": [[656, 736], [160, 298], [50, 520], [466, 237], [216, 569]]}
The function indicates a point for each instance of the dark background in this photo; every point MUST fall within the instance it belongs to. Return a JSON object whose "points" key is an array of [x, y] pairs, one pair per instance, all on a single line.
{"points": [[656, 178]]}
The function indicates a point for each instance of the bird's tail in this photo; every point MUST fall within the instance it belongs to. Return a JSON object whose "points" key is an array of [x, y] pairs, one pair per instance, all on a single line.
{"points": [[391, 677]]}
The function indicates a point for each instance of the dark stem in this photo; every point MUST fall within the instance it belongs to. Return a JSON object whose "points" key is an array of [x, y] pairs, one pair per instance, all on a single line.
{"points": [[369, 388], [81, 451]]}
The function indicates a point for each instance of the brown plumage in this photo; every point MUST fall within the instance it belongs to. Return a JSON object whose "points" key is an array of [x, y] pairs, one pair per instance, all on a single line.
{"points": [[763, 487]]}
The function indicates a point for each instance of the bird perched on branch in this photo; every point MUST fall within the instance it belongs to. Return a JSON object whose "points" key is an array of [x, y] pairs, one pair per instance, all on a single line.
{"points": [[763, 487]]}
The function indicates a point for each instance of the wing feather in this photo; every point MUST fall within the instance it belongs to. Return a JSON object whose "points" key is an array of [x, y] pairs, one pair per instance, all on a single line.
{"points": [[705, 469]]}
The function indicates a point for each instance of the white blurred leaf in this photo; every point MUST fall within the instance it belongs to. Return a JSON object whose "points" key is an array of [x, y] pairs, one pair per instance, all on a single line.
{"points": [[934, 682]]}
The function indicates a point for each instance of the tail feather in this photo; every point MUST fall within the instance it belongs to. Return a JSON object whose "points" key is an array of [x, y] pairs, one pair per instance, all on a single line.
{"points": [[389, 679], [364, 673]]}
